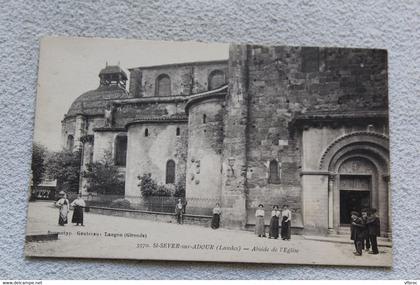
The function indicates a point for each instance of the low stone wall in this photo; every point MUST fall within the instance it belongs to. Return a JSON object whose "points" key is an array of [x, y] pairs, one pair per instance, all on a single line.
{"points": [[152, 216]]}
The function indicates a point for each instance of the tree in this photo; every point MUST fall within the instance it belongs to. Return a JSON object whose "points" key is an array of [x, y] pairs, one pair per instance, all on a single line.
{"points": [[65, 167], [180, 186], [104, 177], [39, 153], [148, 185]]}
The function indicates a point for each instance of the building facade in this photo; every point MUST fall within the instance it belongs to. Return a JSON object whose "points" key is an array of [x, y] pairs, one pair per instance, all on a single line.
{"points": [[302, 126]]}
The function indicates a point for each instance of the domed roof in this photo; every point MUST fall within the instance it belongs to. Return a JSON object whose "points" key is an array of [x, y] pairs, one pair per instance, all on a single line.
{"points": [[94, 102]]}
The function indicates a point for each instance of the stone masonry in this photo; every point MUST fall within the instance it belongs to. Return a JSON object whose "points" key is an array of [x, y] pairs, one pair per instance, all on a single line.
{"points": [[270, 125]]}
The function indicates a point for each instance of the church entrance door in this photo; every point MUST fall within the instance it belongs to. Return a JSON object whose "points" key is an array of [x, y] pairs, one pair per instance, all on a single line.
{"points": [[355, 195], [355, 192]]}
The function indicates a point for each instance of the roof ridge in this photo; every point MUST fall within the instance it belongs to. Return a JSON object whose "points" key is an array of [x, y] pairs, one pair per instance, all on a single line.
{"points": [[180, 63]]}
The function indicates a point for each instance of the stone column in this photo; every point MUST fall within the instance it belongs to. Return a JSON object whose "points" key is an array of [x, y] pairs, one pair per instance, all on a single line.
{"points": [[86, 158], [387, 181], [234, 162], [331, 202], [79, 131]]}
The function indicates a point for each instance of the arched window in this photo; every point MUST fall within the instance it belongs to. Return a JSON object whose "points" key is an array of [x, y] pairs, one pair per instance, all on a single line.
{"points": [[273, 176], [178, 131], [120, 150], [146, 132], [70, 142], [204, 118], [170, 172], [163, 85], [216, 79]]}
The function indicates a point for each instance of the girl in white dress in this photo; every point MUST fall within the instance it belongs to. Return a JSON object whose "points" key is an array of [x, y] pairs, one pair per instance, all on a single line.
{"points": [[259, 223]]}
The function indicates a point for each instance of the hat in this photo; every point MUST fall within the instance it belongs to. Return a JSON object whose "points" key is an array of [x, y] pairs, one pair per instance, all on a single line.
{"points": [[62, 193], [354, 213]]}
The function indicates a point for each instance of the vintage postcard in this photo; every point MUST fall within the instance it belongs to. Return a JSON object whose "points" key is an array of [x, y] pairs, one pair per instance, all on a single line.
{"points": [[210, 152]]}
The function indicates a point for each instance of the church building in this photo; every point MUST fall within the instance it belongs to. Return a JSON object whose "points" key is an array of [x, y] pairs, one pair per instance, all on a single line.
{"points": [[302, 126]]}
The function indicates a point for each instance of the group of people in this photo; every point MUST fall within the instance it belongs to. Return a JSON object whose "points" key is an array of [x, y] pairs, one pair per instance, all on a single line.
{"points": [[180, 209], [365, 228], [64, 207], [285, 216]]}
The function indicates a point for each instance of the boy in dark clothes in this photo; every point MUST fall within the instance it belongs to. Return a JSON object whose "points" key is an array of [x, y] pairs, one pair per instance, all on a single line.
{"points": [[357, 232], [366, 242], [374, 230]]}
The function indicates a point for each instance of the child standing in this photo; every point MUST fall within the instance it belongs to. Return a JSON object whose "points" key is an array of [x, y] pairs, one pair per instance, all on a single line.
{"points": [[357, 232]]}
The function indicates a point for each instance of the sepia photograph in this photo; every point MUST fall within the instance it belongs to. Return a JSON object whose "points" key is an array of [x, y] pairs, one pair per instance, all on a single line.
{"points": [[215, 152]]}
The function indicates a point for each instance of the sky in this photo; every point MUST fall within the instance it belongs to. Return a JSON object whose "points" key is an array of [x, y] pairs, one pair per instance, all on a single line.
{"points": [[69, 67]]}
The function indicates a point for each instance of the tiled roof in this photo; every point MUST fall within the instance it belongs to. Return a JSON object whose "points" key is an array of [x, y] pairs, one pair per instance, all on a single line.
{"points": [[95, 101]]}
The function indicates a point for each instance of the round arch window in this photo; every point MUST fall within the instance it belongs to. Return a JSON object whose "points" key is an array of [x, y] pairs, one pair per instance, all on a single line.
{"points": [[216, 79]]}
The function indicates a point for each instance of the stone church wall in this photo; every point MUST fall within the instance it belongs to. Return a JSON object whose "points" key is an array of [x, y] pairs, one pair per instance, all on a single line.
{"points": [[285, 81], [150, 154], [185, 78], [234, 164], [104, 142], [205, 142], [68, 127], [181, 80], [229, 153], [324, 136]]}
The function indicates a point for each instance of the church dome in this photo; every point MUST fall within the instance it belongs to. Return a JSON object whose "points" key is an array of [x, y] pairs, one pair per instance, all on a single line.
{"points": [[112, 87], [94, 102]]}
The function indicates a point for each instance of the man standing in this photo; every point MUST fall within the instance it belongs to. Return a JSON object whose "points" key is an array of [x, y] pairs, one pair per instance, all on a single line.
{"points": [[357, 232], [374, 230], [179, 212], [366, 242]]}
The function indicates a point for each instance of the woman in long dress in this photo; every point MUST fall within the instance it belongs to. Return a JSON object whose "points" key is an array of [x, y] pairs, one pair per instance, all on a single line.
{"points": [[78, 204], [274, 223], [63, 205], [286, 215], [215, 221], [259, 223]]}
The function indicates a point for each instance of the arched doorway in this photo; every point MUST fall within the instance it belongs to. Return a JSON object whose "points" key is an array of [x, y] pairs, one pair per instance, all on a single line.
{"points": [[356, 187], [358, 164]]}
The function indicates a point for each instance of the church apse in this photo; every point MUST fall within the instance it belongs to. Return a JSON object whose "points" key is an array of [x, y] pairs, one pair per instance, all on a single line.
{"points": [[250, 130]]}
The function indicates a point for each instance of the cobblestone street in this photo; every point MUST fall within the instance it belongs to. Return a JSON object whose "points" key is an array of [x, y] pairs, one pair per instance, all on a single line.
{"points": [[129, 238]]}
